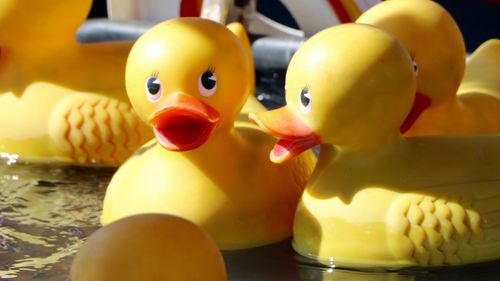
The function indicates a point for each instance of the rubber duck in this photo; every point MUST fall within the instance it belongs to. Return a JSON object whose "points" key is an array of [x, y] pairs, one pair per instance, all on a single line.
{"points": [[149, 247], [61, 101], [483, 70], [435, 42], [188, 78], [376, 198]]}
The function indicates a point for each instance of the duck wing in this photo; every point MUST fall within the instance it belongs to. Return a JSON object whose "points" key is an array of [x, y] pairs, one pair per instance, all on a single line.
{"points": [[89, 128], [449, 225]]}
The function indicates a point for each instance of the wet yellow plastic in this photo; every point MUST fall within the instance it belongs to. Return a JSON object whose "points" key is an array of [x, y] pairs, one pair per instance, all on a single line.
{"points": [[435, 42], [227, 185], [61, 101], [149, 247], [375, 198]]}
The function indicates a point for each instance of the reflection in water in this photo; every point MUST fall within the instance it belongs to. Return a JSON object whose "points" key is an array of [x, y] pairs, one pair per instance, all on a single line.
{"points": [[47, 212]]}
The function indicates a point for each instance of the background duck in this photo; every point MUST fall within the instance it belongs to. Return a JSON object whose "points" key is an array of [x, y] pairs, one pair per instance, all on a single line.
{"points": [[482, 74], [435, 42], [149, 247], [188, 78], [375, 198], [61, 100]]}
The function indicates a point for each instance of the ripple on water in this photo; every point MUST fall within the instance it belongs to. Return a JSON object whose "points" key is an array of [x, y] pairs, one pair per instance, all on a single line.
{"points": [[45, 213]]}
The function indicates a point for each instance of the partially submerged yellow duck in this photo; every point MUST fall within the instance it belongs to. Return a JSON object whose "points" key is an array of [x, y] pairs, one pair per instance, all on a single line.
{"points": [[435, 42], [375, 198], [149, 247], [188, 78], [61, 100]]}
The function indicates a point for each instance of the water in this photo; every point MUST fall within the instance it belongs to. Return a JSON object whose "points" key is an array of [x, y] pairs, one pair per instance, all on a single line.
{"points": [[46, 212]]}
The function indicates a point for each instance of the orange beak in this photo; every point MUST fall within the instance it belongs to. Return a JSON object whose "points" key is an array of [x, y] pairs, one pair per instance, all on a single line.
{"points": [[294, 136], [183, 122]]}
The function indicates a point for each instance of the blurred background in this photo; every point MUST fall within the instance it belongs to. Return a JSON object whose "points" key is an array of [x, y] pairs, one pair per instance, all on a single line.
{"points": [[277, 27], [479, 20]]}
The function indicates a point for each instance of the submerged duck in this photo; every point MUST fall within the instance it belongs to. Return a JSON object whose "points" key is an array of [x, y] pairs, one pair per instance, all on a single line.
{"points": [[188, 78], [61, 100], [149, 247], [376, 198], [436, 44]]}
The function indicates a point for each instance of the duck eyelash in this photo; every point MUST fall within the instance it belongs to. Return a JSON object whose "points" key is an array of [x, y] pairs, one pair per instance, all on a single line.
{"points": [[211, 69], [412, 55], [155, 74]]}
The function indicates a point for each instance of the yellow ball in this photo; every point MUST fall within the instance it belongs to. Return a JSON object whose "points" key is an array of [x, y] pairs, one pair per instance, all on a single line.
{"points": [[149, 247]]}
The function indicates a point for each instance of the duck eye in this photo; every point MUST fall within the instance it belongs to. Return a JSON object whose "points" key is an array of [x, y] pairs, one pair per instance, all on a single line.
{"points": [[153, 88], [415, 68], [305, 100], [207, 83]]}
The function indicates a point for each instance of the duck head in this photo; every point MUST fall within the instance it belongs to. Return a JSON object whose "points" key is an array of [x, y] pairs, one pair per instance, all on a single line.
{"points": [[22, 21], [187, 78], [350, 85], [433, 39]]}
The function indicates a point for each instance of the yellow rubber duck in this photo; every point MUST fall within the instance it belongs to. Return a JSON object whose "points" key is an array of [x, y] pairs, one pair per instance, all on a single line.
{"points": [[375, 198], [149, 247], [482, 74], [435, 42], [61, 100], [188, 78]]}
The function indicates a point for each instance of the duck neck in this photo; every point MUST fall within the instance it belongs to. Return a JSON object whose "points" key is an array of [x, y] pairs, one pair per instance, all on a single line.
{"points": [[371, 145], [222, 140]]}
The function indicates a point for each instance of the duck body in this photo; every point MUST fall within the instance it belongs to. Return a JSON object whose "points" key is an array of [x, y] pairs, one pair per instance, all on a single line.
{"points": [[63, 101], [456, 105], [377, 199], [241, 203], [205, 164], [393, 208]]}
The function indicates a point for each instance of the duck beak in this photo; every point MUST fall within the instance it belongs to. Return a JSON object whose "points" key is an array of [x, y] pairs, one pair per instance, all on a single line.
{"points": [[183, 122], [421, 103], [294, 136]]}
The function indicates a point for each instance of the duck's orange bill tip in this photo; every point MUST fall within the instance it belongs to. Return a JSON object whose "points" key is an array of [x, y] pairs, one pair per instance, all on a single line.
{"points": [[285, 150], [281, 123], [184, 123], [294, 136], [420, 104]]}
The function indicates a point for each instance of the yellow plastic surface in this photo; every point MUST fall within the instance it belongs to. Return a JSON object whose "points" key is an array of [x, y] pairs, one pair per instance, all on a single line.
{"points": [[482, 74], [149, 247], [227, 184], [375, 198], [252, 104], [61, 100], [435, 42]]}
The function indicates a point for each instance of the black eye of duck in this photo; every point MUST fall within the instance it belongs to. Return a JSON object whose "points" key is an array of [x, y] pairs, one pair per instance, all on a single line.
{"points": [[207, 83], [305, 100], [208, 80], [305, 97], [152, 88], [153, 85]]}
